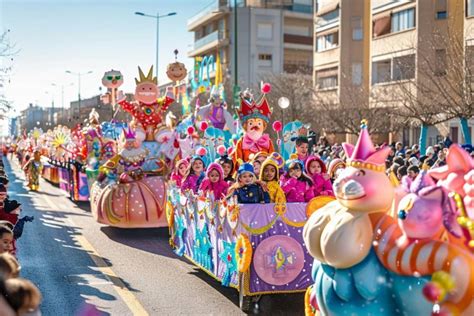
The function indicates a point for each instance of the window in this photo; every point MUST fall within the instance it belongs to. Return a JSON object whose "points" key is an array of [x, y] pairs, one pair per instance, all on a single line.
{"points": [[403, 20], [326, 78], [441, 10], [328, 41], [441, 62], [357, 74], [404, 67], [381, 71], [297, 30], [470, 8], [265, 60], [357, 33], [264, 31]]}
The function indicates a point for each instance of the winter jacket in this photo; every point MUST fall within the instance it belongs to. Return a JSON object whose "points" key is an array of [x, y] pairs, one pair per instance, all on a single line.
{"points": [[220, 187], [192, 182], [297, 190], [274, 190], [321, 186], [251, 194]]}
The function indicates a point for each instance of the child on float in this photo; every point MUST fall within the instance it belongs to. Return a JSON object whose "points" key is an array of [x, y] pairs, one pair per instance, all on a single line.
{"points": [[257, 161], [195, 174], [179, 172], [246, 189], [316, 170], [297, 186], [228, 167], [302, 149], [270, 174], [335, 168], [214, 182]]}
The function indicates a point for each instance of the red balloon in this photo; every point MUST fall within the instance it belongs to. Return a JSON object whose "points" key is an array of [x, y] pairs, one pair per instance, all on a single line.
{"points": [[190, 130], [432, 292], [277, 126], [221, 150], [266, 88], [203, 126]]}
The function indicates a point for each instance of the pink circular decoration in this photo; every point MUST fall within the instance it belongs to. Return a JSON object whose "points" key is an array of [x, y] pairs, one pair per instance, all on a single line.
{"points": [[278, 260], [203, 126], [190, 130], [221, 150], [266, 88], [229, 150], [277, 126], [201, 151]]}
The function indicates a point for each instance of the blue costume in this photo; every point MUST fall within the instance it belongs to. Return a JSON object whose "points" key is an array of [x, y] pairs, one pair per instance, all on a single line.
{"points": [[252, 193]]}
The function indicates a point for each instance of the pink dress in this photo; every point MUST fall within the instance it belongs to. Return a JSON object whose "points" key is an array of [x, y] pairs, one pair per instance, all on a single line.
{"points": [[220, 187]]}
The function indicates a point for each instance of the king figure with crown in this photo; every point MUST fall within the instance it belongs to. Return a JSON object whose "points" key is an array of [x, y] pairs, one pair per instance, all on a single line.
{"points": [[254, 117], [147, 111]]}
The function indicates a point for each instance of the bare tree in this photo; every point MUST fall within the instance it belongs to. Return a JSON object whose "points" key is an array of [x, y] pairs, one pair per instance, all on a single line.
{"points": [[7, 51]]}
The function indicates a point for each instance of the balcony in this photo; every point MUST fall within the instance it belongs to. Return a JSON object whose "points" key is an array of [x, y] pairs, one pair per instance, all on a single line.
{"points": [[213, 11], [216, 38]]}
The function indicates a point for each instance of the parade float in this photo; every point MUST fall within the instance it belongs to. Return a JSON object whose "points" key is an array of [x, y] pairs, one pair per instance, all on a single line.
{"points": [[371, 258], [130, 191]]}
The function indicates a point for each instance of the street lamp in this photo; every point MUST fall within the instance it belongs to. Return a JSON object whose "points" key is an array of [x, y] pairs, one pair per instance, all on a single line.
{"points": [[79, 74], [157, 17], [62, 95], [52, 105]]}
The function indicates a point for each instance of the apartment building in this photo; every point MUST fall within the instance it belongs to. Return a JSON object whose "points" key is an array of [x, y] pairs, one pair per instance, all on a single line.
{"points": [[272, 36], [381, 46]]}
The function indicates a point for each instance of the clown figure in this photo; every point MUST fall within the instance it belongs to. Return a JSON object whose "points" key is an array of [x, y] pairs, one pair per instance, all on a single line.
{"points": [[254, 117]]}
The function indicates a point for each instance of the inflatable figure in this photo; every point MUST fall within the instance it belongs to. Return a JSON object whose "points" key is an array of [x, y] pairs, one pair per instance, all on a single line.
{"points": [[213, 138], [347, 273], [290, 132], [147, 111], [255, 117], [33, 169], [124, 196], [215, 112], [458, 176]]}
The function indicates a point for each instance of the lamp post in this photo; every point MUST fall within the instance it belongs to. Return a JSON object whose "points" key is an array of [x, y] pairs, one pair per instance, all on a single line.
{"points": [[79, 74], [62, 95], [157, 17], [52, 106]]}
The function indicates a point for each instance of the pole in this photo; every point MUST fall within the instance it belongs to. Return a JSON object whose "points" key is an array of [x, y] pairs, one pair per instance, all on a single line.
{"points": [[79, 94], [157, 42], [235, 44]]}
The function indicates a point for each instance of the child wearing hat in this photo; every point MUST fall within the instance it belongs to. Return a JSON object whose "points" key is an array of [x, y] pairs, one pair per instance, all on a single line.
{"points": [[248, 191], [316, 170], [179, 172], [297, 186], [195, 174], [228, 167], [269, 173], [214, 181]]}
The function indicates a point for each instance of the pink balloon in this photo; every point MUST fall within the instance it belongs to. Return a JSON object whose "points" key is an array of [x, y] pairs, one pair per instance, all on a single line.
{"points": [[221, 150], [203, 126], [266, 88], [201, 151], [277, 126], [190, 130]]}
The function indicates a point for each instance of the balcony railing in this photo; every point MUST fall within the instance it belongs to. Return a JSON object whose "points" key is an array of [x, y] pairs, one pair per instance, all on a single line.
{"points": [[213, 6], [214, 36]]}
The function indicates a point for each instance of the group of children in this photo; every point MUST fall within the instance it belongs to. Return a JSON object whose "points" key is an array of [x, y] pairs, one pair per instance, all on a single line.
{"points": [[265, 179], [17, 296]]}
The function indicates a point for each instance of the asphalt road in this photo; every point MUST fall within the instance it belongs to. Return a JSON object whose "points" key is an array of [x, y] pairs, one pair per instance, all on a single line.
{"points": [[80, 265]]}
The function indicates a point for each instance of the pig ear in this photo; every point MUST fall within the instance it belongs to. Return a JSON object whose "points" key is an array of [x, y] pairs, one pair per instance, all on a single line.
{"points": [[440, 172], [460, 157], [348, 148]]}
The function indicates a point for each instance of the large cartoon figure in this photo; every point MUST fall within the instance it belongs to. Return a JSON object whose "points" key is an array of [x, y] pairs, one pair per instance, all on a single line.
{"points": [[215, 112], [255, 117], [147, 111], [124, 196], [348, 276]]}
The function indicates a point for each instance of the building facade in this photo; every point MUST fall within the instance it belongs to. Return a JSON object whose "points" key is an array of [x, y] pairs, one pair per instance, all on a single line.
{"points": [[37, 116], [381, 48], [262, 36]]}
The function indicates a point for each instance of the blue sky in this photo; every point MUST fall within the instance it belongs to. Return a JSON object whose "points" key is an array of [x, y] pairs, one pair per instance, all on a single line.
{"points": [[53, 36]]}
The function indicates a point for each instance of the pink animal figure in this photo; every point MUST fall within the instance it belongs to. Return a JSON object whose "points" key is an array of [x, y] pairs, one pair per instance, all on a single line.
{"points": [[426, 212], [340, 234], [458, 176]]}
